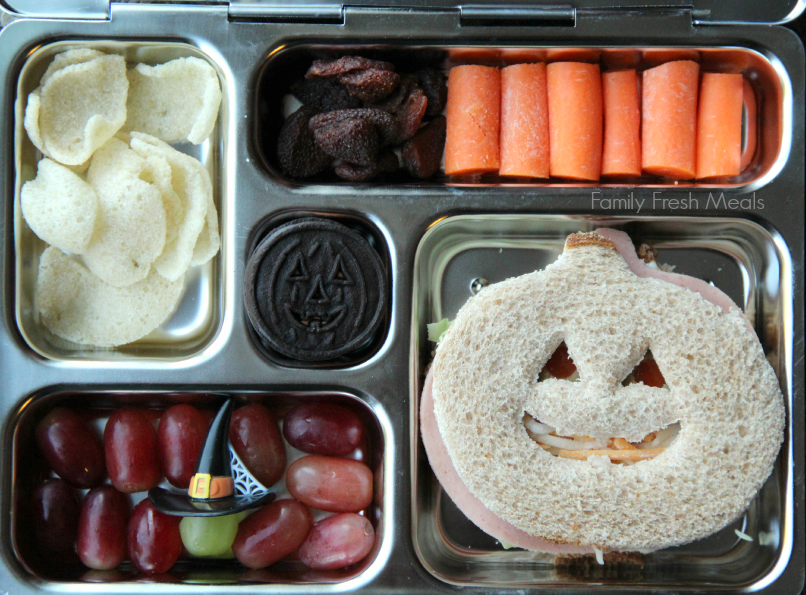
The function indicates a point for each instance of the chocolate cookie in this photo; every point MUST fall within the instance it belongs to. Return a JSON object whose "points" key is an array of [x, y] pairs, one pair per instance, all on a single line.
{"points": [[315, 290]]}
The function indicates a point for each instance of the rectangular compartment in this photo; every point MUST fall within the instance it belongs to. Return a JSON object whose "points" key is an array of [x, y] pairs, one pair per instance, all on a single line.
{"points": [[29, 469], [198, 316], [747, 261], [770, 85]]}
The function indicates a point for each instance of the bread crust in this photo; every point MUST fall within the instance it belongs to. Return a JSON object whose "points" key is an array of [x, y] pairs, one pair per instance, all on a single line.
{"points": [[721, 389]]}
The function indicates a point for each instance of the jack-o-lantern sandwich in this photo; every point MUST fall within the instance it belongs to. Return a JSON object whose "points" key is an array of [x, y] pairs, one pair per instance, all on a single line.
{"points": [[656, 428]]}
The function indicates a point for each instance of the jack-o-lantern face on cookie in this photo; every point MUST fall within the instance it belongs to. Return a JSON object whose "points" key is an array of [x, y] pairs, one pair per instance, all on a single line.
{"points": [[719, 388], [315, 290]]}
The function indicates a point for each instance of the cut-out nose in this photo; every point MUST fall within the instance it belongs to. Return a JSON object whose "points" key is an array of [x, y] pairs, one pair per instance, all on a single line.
{"points": [[560, 364], [317, 294]]}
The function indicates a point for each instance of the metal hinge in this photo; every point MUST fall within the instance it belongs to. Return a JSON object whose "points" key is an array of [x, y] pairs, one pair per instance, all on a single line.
{"points": [[59, 9], [517, 15], [287, 13]]}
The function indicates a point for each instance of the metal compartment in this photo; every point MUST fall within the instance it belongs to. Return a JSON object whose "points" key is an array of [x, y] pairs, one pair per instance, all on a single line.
{"points": [[28, 470], [198, 316], [241, 38], [749, 262], [770, 84]]}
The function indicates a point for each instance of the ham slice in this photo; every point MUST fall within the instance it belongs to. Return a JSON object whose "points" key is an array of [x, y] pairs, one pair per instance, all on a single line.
{"points": [[441, 462]]}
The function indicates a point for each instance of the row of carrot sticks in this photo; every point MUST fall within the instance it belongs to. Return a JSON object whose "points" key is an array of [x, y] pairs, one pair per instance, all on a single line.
{"points": [[568, 120]]}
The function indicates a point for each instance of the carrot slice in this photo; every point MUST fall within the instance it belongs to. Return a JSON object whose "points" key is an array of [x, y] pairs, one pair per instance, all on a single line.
{"points": [[622, 444], [719, 125], [575, 120], [620, 59], [615, 455], [521, 55], [621, 155], [657, 56], [670, 119], [572, 55], [524, 121], [751, 130], [473, 116]]}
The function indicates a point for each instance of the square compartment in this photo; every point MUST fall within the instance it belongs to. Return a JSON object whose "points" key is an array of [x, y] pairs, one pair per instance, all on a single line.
{"points": [[199, 315], [749, 262], [29, 469]]}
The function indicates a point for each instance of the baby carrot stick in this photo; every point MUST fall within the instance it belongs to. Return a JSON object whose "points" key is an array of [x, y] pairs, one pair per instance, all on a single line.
{"points": [[621, 155], [657, 56], [524, 121], [575, 120], [669, 124], [473, 113], [719, 125], [750, 132], [572, 55]]}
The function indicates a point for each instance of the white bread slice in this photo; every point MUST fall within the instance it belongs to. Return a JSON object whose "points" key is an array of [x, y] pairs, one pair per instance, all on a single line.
{"points": [[722, 391]]}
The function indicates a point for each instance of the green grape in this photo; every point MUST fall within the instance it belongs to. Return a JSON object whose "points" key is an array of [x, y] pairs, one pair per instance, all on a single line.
{"points": [[209, 536]]}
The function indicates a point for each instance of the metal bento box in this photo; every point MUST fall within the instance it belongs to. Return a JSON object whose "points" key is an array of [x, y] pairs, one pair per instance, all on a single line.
{"points": [[437, 240]]}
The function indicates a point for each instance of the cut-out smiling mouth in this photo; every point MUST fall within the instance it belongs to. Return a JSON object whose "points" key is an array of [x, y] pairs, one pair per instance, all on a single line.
{"points": [[314, 323]]}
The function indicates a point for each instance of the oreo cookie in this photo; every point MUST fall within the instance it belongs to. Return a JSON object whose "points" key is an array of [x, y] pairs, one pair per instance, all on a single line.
{"points": [[315, 290]]}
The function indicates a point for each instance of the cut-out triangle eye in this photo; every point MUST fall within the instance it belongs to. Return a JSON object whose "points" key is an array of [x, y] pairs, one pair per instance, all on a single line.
{"points": [[338, 273], [299, 272], [647, 372], [560, 364]]}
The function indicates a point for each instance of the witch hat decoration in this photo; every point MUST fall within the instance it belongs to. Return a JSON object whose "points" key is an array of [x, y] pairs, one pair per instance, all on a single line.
{"points": [[213, 490]]}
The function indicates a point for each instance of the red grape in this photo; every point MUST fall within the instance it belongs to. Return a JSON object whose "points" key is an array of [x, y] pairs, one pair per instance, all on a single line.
{"points": [[330, 483], [323, 429], [131, 451], [271, 533], [337, 541], [254, 435], [181, 436], [55, 515], [649, 373], [71, 447], [154, 539], [102, 528]]}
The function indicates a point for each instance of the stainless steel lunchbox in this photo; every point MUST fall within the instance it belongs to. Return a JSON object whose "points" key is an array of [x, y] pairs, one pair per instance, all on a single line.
{"points": [[439, 239]]}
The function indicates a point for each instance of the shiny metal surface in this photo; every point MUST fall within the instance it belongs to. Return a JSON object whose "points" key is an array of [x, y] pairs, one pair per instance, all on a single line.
{"points": [[242, 50]]}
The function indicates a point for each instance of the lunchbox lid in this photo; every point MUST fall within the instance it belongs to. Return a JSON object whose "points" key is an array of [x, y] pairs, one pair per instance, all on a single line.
{"points": [[704, 12]]}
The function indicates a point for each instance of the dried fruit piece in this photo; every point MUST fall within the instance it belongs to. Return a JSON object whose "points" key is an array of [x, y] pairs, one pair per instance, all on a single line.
{"points": [[387, 162], [386, 124], [324, 94], [432, 82], [423, 153], [393, 102], [345, 64], [370, 85], [411, 114], [299, 154], [353, 139], [368, 80]]}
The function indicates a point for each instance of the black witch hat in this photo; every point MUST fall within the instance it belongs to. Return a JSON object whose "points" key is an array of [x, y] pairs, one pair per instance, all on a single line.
{"points": [[212, 490]]}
